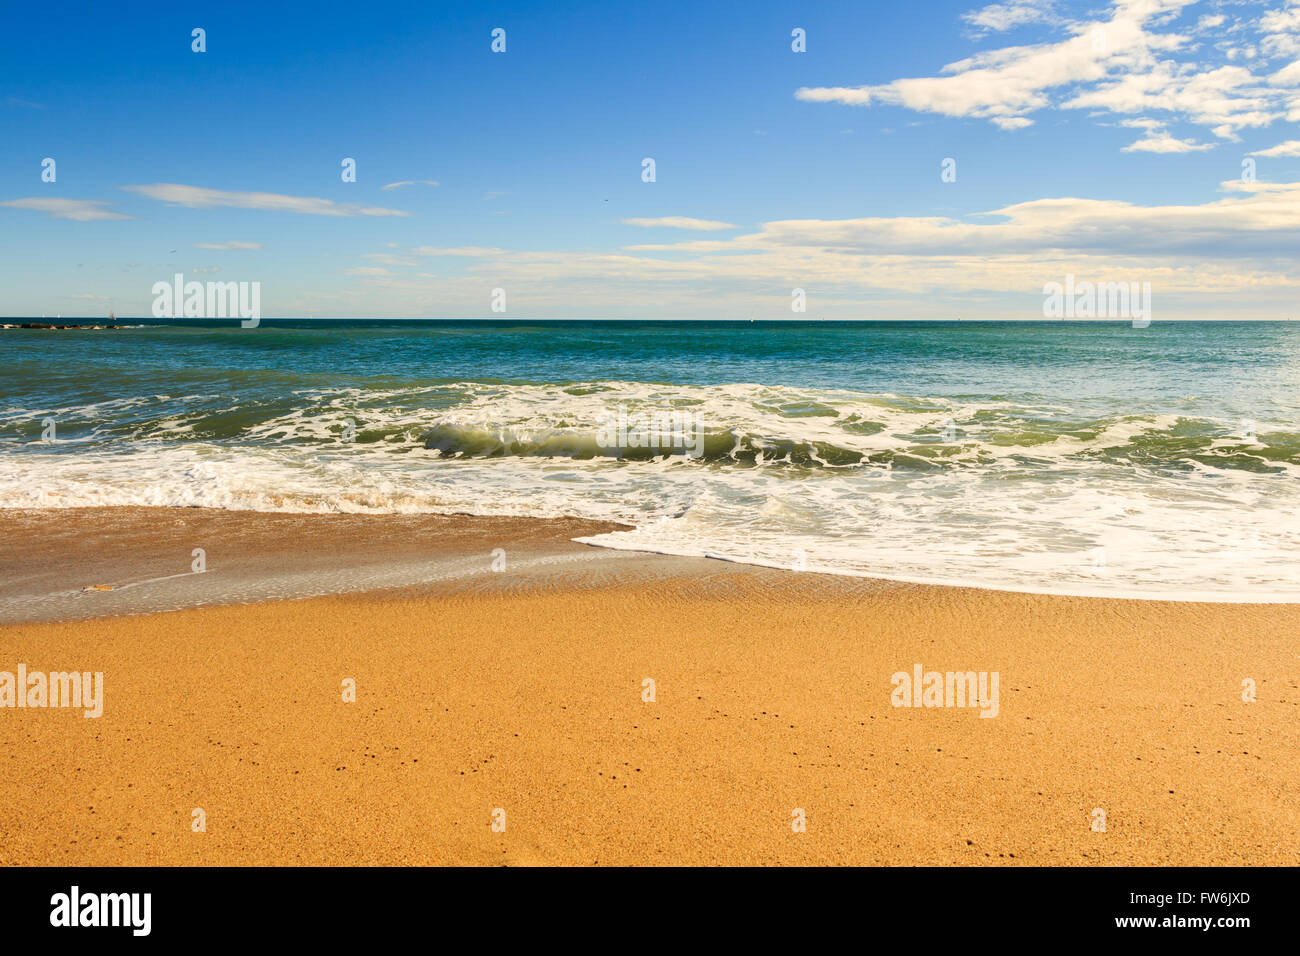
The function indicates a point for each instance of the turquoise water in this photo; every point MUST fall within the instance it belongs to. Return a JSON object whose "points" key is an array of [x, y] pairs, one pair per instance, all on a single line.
{"points": [[1083, 457]]}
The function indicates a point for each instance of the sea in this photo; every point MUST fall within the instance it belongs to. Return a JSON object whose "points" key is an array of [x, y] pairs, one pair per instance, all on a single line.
{"points": [[1065, 457]]}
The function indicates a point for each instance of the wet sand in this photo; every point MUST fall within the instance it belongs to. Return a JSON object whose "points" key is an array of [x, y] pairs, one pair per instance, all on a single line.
{"points": [[53, 562], [523, 690]]}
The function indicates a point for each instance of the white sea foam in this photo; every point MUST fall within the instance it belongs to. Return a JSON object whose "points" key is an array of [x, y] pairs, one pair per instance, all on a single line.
{"points": [[989, 493]]}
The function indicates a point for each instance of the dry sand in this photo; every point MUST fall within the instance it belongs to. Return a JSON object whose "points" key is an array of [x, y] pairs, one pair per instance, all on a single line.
{"points": [[522, 690]]}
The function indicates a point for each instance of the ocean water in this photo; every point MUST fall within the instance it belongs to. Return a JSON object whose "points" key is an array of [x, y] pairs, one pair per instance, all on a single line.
{"points": [[1065, 457]]}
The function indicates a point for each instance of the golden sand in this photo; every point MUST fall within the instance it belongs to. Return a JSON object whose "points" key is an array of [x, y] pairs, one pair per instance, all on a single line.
{"points": [[772, 694]]}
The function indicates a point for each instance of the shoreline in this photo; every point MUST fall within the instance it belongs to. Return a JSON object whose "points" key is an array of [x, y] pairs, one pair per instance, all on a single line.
{"points": [[80, 563]]}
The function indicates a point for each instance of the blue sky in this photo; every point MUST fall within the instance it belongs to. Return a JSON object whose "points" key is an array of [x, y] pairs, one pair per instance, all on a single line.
{"points": [[1100, 140]]}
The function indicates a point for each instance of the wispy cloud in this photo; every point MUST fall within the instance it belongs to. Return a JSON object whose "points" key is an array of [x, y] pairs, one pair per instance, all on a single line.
{"points": [[1162, 141], [81, 210], [198, 197], [233, 244], [1290, 148], [367, 271], [1253, 218], [999, 17], [475, 251], [680, 222], [23, 104], [409, 182], [389, 259]]}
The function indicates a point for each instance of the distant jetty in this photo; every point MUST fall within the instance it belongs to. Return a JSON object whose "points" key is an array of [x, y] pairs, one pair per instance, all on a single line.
{"points": [[46, 325]]}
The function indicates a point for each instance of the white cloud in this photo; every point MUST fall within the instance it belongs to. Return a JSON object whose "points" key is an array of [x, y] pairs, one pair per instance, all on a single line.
{"points": [[80, 210], [1240, 242], [233, 244], [1162, 142], [1228, 256], [476, 251], [680, 222], [998, 17], [197, 197], [1226, 99], [389, 259], [1004, 85], [1281, 31], [1289, 75], [1255, 220], [1124, 65], [410, 182], [1290, 148]]}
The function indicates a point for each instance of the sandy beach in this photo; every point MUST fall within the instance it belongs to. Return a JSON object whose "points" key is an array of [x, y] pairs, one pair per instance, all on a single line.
{"points": [[523, 690]]}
